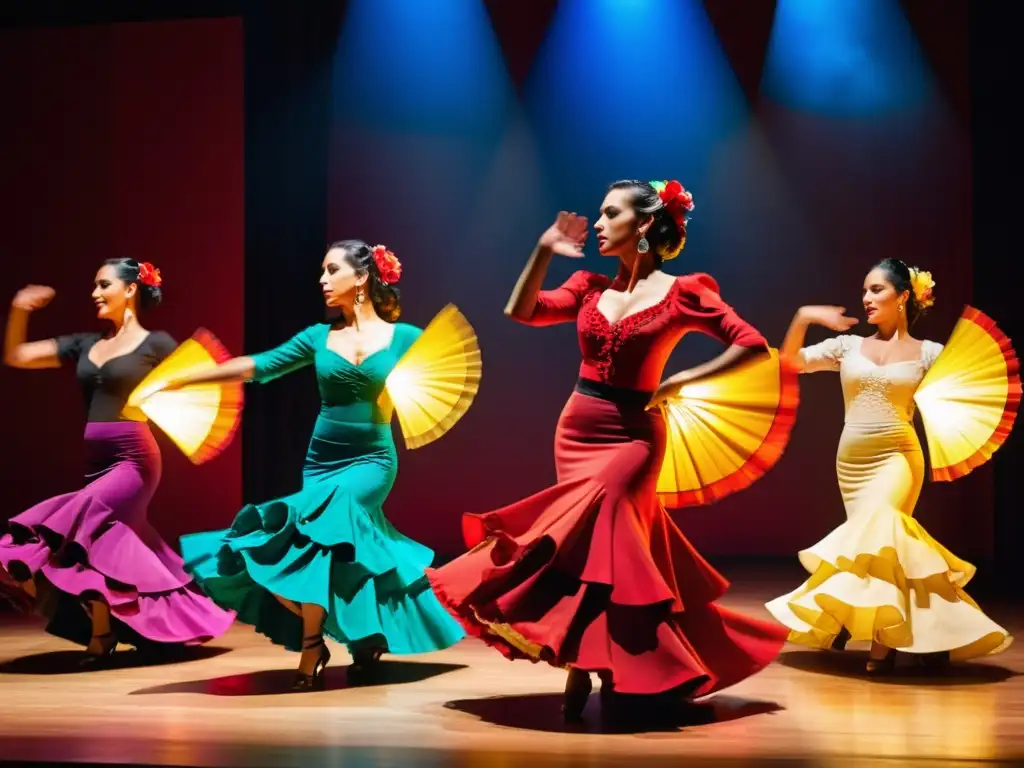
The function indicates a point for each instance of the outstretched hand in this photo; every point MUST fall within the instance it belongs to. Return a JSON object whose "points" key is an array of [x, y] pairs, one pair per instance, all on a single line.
{"points": [[829, 317], [164, 386], [566, 236]]}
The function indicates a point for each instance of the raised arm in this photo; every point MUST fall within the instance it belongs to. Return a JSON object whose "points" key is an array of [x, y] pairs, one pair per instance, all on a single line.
{"points": [[565, 237], [824, 356], [18, 351]]}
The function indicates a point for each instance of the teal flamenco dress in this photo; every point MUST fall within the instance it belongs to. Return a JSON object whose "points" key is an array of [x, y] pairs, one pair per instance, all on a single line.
{"points": [[330, 544]]}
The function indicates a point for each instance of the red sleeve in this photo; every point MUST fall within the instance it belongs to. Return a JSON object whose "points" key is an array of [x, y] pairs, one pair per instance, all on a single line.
{"points": [[562, 304], [704, 309]]}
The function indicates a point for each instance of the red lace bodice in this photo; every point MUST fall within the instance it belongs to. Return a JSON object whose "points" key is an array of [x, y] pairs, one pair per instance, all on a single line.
{"points": [[632, 352]]}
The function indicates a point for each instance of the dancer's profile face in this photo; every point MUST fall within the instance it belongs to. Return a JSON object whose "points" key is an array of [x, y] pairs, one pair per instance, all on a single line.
{"points": [[339, 281], [111, 294], [881, 301], [619, 228]]}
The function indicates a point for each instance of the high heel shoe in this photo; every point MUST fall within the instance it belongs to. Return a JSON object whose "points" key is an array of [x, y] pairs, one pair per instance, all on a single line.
{"points": [[885, 664], [934, 661], [101, 659], [578, 687], [315, 681], [840, 640], [364, 663]]}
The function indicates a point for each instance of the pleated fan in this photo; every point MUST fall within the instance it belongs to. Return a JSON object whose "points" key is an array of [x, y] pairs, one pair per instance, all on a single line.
{"points": [[969, 398], [726, 431], [436, 380], [201, 419]]}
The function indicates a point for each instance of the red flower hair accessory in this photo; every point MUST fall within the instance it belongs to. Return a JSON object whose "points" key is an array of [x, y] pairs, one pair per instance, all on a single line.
{"points": [[678, 202], [388, 266], [149, 275]]}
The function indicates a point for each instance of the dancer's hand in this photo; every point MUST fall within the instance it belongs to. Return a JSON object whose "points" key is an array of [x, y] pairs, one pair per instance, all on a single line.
{"points": [[830, 317], [566, 236], [173, 385], [33, 297], [670, 387], [164, 386]]}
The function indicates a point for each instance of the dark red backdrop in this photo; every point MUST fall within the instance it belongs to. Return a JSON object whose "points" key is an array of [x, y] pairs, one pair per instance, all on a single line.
{"points": [[120, 139]]}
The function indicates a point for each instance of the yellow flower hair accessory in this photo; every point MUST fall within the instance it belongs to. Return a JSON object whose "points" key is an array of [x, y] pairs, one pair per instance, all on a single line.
{"points": [[923, 285]]}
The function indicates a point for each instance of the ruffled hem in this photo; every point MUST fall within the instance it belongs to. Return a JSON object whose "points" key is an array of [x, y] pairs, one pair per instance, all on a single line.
{"points": [[884, 579], [320, 546], [77, 545], [706, 650], [542, 585]]}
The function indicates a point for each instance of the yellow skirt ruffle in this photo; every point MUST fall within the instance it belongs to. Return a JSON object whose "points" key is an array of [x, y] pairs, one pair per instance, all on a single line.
{"points": [[885, 579]]}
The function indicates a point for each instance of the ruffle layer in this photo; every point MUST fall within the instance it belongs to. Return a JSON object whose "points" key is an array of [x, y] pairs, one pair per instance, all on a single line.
{"points": [[321, 546], [882, 577]]}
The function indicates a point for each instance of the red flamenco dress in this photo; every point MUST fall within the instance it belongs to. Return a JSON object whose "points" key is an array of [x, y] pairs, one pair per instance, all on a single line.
{"points": [[592, 573]]}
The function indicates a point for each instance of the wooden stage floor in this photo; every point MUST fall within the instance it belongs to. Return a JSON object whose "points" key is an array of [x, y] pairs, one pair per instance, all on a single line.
{"points": [[228, 705]]}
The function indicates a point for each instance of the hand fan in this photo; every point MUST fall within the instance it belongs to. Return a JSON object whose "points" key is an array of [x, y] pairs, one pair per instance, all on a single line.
{"points": [[726, 430], [201, 419], [969, 398], [435, 381]]}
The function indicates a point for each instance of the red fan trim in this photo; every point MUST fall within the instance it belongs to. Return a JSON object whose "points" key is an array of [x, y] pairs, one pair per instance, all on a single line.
{"points": [[761, 460], [232, 398], [1013, 395]]}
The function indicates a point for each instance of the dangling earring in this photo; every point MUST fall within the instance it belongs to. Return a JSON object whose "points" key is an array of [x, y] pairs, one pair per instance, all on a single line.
{"points": [[899, 307], [360, 296], [642, 245]]}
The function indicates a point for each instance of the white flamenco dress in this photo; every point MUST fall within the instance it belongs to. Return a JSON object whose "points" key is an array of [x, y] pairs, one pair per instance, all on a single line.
{"points": [[880, 574]]}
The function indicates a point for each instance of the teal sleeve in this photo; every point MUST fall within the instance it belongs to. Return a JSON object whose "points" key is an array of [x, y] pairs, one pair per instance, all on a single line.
{"points": [[405, 337], [298, 352]]}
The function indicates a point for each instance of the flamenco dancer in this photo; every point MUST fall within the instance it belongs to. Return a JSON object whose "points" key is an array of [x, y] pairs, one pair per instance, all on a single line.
{"points": [[879, 576], [591, 574], [94, 548], [325, 560]]}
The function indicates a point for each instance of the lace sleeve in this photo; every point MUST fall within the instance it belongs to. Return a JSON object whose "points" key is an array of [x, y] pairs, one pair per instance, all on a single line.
{"points": [[930, 351], [826, 355]]}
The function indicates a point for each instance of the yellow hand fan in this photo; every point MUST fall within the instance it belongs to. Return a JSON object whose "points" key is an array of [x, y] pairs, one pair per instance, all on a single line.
{"points": [[201, 419], [969, 398], [434, 383], [726, 430]]}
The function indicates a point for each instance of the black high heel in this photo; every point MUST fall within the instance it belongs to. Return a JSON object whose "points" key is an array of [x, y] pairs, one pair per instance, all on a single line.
{"points": [[101, 659], [607, 686], [315, 681], [841, 639], [364, 663], [883, 665], [934, 661], [578, 687]]}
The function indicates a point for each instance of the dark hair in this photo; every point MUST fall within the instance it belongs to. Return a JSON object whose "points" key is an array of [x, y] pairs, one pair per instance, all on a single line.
{"points": [[127, 270], [385, 297], [898, 273], [664, 234]]}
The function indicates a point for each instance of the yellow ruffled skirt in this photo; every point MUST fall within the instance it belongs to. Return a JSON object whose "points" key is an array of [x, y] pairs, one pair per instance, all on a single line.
{"points": [[880, 574]]}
